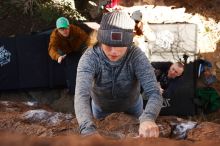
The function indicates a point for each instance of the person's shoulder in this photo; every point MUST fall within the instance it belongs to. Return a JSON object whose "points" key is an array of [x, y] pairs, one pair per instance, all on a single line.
{"points": [[74, 27], [77, 30], [90, 56], [135, 54], [94, 51], [136, 51], [54, 35], [54, 32]]}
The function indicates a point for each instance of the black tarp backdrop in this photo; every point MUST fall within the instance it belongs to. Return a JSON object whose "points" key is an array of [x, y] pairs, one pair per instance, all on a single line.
{"points": [[33, 61], [30, 65], [9, 75]]}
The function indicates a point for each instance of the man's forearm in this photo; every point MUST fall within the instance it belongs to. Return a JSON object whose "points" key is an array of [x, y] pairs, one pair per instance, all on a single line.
{"points": [[152, 108], [83, 115]]}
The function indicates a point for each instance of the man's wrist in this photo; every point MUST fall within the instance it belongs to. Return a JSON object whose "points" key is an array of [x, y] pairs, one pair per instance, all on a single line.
{"points": [[144, 118], [88, 131]]}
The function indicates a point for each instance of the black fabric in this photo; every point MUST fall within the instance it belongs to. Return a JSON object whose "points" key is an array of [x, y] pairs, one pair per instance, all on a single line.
{"points": [[70, 66], [56, 75], [178, 98], [33, 61], [161, 71], [30, 65], [9, 76]]}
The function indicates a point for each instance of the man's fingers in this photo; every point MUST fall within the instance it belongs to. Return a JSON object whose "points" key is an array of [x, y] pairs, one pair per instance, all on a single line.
{"points": [[149, 132], [148, 129], [64, 56], [157, 132], [154, 132]]}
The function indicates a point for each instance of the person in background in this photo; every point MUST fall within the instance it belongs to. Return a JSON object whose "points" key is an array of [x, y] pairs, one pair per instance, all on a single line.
{"points": [[143, 34], [112, 5], [67, 42], [109, 77], [207, 98], [166, 72]]}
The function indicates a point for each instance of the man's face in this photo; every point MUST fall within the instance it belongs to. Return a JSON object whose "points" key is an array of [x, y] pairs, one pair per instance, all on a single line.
{"points": [[175, 71], [114, 53], [207, 72], [64, 31]]}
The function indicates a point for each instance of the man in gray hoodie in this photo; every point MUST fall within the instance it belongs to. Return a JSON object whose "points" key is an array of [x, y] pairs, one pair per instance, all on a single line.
{"points": [[111, 74]]}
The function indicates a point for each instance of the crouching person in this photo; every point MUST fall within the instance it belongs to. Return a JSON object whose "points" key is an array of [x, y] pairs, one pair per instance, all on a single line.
{"points": [[67, 42], [111, 74]]}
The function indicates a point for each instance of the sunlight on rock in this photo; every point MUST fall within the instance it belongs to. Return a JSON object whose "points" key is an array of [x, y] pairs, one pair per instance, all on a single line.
{"points": [[45, 117], [181, 129]]}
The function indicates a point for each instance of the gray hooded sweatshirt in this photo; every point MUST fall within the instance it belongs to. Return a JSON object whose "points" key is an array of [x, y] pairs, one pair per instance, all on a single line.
{"points": [[114, 86]]}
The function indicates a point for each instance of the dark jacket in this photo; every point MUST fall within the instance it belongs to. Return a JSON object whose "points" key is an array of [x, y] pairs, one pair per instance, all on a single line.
{"points": [[161, 70]]}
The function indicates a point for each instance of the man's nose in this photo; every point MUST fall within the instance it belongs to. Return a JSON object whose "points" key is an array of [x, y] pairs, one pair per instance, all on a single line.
{"points": [[113, 51], [173, 72]]}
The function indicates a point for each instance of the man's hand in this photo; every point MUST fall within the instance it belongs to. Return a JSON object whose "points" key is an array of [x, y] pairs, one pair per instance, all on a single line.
{"points": [[60, 59], [148, 129], [161, 90]]}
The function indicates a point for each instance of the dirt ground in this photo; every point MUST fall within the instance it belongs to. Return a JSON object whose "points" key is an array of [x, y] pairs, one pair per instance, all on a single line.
{"points": [[74, 140], [207, 8], [32, 124]]}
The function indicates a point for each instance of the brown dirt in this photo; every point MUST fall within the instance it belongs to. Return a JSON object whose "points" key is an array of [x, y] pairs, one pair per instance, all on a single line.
{"points": [[73, 140], [116, 129], [205, 8], [205, 131]]}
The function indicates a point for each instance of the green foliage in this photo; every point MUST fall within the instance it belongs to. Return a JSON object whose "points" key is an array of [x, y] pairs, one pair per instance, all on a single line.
{"points": [[24, 6], [8, 6], [46, 10], [50, 11], [30, 5]]}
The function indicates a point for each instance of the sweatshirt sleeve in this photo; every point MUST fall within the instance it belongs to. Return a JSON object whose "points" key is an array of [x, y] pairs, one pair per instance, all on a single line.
{"points": [[85, 75], [53, 46], [145, 74]]}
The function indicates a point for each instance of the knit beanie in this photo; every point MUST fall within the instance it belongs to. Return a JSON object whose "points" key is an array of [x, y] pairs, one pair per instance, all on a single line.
{"points": [[136, 15], [116, 29]]}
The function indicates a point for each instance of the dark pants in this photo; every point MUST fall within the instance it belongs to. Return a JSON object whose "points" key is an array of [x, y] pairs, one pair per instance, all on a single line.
{"points": [[70, 64]]}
